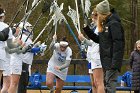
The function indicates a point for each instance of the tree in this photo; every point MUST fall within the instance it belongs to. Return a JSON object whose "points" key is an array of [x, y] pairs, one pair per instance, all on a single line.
{"points": [[134, 24]]}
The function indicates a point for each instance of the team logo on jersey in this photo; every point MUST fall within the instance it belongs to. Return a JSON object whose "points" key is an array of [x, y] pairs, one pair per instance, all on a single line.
{"points": [[16, 70], [61, 58]]}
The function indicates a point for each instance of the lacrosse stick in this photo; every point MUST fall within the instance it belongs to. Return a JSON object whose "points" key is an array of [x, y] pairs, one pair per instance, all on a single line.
{"points": [[44, 9], [62, 17], [77, 12], [47, 24], [73, 16], [27, 5], [25, 18], [16, 14]]}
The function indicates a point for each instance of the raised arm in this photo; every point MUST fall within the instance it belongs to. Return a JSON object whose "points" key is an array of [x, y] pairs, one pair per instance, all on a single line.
{"points": [[52, 45], [91, 34], [84, 40]]}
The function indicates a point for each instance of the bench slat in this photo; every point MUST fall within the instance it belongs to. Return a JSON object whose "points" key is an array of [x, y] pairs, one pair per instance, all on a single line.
{"points": [[70, 78], [78, 79], [123, 88], [64, 88]]}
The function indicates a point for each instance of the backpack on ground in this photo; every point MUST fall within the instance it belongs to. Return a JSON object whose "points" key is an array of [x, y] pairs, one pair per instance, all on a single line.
{"points": [[127, 77], [36, 80]]}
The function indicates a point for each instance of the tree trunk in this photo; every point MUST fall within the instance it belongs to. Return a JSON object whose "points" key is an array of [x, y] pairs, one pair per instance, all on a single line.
{"points": [[134, 25]]}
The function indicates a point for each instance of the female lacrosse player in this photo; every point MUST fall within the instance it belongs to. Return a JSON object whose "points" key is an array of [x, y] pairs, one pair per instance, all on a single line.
{"points": [[58, 64], [5, 35], [20, 61]]}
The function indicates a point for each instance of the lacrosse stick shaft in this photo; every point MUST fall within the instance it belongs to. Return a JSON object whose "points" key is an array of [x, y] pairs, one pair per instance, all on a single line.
{"points": [[29, 12], [49, 34], [17, 13], [69, 28], [55, 28], [84, 14], [74, 36], [34, 26], [25, 18], [45, 8], [79, 31], [43, 30], [82, 5], [79, 46], [27, 5]]}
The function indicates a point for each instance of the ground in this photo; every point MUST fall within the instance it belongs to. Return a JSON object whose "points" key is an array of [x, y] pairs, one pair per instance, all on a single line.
{"points": [[67, 91]]}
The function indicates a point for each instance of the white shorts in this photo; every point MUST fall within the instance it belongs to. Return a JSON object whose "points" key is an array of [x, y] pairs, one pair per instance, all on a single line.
{"points": [[95, 64], [16, 65], [16, 69], [2, 62], [7, 70], [61, 74]]}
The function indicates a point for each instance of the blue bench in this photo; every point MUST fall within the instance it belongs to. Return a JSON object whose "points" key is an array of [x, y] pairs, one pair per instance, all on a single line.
{"points": [[70, 79], [78, 79], [122, 88]]}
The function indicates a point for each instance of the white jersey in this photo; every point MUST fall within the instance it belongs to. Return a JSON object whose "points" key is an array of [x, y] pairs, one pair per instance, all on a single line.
{"points": [[2, 43], [6, 72], [93, 55], [58, 59], [93, 51], [27, 57], [8, 56], [18, 59]]}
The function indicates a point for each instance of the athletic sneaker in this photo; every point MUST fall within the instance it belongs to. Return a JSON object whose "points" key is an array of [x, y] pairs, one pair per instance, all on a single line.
{"points": [[51, 91]]}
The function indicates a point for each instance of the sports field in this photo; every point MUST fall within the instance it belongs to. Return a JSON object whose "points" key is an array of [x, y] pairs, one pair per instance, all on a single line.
{"points": [[68, 91]]}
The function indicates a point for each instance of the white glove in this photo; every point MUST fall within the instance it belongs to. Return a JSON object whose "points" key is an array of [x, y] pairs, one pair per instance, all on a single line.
{"points": [[37, 44], [43, 47]]}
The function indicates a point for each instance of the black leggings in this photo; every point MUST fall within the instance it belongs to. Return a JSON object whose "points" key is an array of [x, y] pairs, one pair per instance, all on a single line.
{"points": [[136, 91], [24, 78]]}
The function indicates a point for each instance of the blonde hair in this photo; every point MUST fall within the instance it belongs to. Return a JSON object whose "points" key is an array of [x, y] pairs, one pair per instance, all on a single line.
{"points": [[100, 20], [135, 46], [137, 41], [94, 10]]}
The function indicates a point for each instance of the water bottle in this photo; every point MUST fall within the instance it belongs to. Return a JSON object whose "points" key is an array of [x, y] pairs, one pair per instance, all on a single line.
{"points": [[122, 83]]}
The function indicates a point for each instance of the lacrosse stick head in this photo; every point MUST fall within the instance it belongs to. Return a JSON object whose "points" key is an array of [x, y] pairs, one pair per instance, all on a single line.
{"points": [[53, 6], [24, 25], [61, 6], [71, 13], [26, 28], [87, 7]]}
